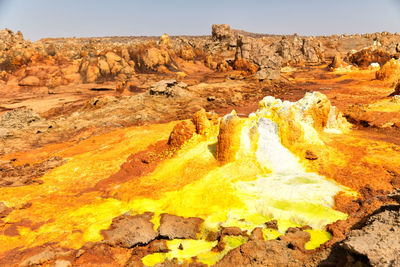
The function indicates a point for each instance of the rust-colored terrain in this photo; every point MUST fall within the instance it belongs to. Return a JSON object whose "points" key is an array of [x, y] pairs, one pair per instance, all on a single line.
{"points": [[125, 151]]}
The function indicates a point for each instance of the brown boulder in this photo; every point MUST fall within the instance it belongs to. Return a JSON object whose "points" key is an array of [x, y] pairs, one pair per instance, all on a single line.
{"points": [[172, 226], [186, 52], [222, 32], [268, 74], [128, 231], [154, 57], [245, 65]]}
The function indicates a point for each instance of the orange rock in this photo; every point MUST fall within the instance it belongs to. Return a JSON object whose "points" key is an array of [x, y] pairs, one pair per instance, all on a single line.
{"points": [[201, 122], [181, 133], [245, 65], [229, 138], [390, 72]]}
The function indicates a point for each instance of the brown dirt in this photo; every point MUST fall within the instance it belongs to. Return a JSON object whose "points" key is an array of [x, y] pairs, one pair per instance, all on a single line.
{"points": [[26, 174]]}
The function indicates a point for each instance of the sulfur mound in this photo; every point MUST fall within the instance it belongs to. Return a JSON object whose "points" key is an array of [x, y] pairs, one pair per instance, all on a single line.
{"points": [[296, 124]]}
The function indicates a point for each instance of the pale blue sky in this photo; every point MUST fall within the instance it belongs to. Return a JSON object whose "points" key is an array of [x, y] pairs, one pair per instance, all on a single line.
{"points": [[66, 18]]}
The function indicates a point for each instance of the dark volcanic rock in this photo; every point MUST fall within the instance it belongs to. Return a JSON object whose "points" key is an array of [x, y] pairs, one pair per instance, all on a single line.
{"points": [[128, 231], [172, 226]]}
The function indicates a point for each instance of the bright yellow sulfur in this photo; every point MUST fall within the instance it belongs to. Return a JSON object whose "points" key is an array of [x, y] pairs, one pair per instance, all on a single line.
{"points": [[264, 181], [184, 250], [318, 237]]}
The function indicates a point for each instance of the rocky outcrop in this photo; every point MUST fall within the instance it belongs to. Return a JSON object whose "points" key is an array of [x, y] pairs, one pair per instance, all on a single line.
{"points": [[105, 66], [14, 50], [128, 231], [366, 57], [390, 72], [164, 41], [168, 88], [153, 58], [223, 33], [296, 50], [202, 123], [267, 57], [8, 40], [376, 242]]}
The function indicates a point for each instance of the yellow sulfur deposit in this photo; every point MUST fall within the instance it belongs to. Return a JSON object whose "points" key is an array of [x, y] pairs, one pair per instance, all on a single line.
{"points": [[246, 176]]}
